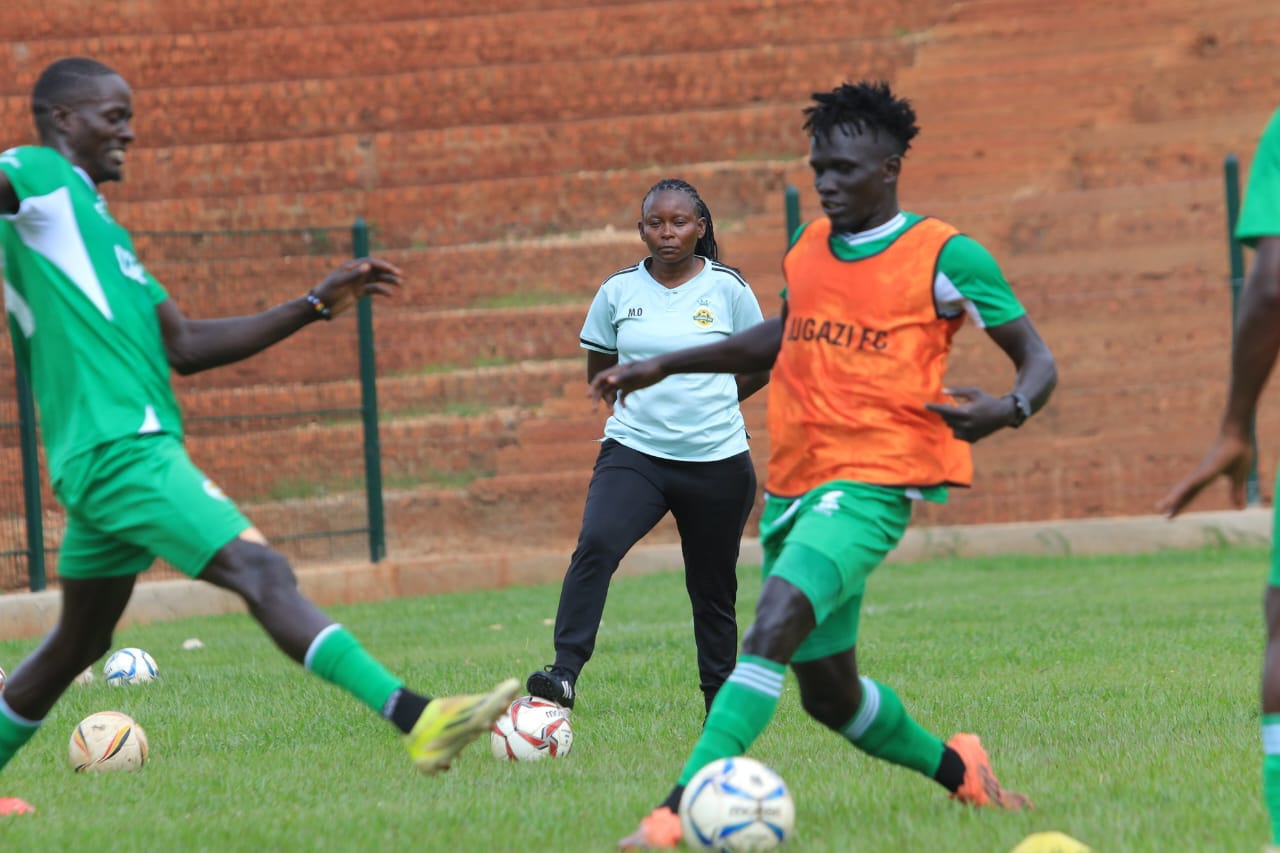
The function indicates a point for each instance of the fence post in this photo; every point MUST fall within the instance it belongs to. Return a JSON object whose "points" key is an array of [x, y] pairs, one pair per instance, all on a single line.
{"points": [[369, 408], [791, 197], [31, 483], [1235, 253]]}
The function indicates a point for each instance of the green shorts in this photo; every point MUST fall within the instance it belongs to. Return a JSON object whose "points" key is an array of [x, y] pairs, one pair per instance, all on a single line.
{"points": [[826, 543], [136, 499]]}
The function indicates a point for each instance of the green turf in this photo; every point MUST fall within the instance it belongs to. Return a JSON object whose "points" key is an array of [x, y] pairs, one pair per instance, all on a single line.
{"points": [[1120, 693]]}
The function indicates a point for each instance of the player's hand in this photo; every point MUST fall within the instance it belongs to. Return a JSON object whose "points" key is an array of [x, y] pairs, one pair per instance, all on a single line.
{"points": [[357, 278], [1231, 455], [613, 385], [977, 417]]}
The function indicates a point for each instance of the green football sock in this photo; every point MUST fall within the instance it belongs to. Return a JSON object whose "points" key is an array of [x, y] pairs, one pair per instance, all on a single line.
{"points": [[741, 710], [883, 728], [338, 658], [15, 731], [1271, 771]]}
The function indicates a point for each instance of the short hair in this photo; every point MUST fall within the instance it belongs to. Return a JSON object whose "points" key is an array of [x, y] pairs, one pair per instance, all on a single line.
{"points": [[60, 83], [706, 245], [861, 107]]}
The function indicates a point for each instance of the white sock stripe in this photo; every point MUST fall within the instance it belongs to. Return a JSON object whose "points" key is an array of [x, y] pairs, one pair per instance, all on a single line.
{"points": [[315, 644], [1271, 739], [15, 717], [867, 713], [756, 677]]}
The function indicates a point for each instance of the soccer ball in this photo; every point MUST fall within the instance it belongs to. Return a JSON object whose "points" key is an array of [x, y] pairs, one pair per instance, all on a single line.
{"points": [[107, 740], [2, 679], [85, 677], [736, 804], [531, 729], [129, 666]]}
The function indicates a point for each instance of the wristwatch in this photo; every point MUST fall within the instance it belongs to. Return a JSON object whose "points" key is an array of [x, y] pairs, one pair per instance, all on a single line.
{"points": [[1021, 409]]}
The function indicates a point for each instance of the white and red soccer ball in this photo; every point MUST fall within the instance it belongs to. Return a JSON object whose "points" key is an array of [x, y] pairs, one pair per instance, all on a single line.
{"points": [[531, 729]]}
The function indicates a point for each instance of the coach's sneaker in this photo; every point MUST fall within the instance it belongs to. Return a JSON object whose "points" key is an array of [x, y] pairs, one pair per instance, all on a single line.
{"points": [[980, 787], [449, 723], [554, 683], [660, 830], [13, 805]]}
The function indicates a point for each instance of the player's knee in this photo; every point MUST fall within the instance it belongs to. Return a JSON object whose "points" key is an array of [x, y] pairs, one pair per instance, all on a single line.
{"points": [[831, 709], [262, 578]]}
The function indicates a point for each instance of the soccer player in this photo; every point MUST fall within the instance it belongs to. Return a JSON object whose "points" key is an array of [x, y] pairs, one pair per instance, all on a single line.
{"points": [[1253, 355], [860, 427], [98, 336], [679, 448]]}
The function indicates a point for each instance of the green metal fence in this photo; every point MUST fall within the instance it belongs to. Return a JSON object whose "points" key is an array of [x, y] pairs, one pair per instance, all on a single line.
{"points": [[273, 431]]}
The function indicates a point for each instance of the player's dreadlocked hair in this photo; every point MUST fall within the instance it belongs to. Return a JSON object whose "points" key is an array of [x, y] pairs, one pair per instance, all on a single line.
{"points": [[59, 84], [706, 245], [862, 107]]}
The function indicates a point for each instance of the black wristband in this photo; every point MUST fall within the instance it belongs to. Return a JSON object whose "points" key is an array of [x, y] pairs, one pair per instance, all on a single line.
{"points": [[318, 304], [1021, 409]]}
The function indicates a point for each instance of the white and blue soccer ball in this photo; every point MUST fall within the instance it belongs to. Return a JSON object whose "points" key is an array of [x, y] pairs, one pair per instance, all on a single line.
{"points": [[129, 666], [736, 804]]}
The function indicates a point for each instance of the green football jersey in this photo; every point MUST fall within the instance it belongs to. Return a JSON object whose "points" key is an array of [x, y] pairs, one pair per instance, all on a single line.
{"points": [[82, 311], [1260, 216]]}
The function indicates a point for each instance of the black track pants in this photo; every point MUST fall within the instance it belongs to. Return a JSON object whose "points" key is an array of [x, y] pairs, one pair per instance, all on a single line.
{"points": [[630, 492]]}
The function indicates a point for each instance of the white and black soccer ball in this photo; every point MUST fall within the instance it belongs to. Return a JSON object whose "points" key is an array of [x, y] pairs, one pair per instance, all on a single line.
{"points": [[531, 729], [736, 804], [129, 666], [107, 740]]}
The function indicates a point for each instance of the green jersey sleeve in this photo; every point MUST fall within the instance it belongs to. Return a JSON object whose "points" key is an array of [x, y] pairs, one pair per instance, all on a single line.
{"points": [[1260, 216], [970, 280], [33, 170]]}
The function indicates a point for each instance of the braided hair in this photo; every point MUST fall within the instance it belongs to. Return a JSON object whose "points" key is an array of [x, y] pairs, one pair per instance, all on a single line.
{"points": [[706, 245], [862, 107], [58, 84]]}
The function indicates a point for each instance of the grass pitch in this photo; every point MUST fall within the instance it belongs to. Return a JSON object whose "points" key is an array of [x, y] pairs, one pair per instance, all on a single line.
{"points": [[1119, 693]]}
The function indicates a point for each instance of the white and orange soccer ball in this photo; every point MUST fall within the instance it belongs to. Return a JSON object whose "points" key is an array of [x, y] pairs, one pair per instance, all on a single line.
{"points": [[531, 729], [736, 804], [107, 740]]}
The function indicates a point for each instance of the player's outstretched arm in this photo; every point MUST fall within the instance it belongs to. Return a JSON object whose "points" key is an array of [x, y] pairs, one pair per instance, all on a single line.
{"points": [[195, 345], [749, 351], [981, 414], [8, 196], [1253, 356]]}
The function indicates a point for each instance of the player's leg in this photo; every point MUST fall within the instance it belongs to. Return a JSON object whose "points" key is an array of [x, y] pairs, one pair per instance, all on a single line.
{"points": [[624, 501], [872, 717], [1271, 696], [161, 502], [90, 610], [748, 699], [710, 502]]}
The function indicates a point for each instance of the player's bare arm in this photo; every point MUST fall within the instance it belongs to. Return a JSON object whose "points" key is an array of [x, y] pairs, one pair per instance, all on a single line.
{"points": [[980, 413], [1253, 356], [749, 351], [598, 362], [8, 197], [196, 345]]}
